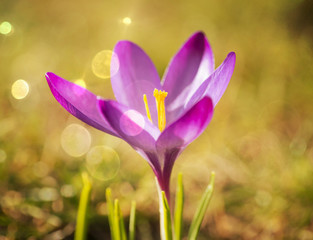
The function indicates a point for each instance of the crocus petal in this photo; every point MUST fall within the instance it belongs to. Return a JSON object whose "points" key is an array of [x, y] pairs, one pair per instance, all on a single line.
{"points": [[220, 79], [79, 102], [179, 134], [193, 63], [216, 84], [136, 76], [135, 129], [131, 126], [187, 128]]}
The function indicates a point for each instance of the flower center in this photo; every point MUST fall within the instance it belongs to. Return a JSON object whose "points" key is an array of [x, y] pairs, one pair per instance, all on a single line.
{"points": [[159, 100]]}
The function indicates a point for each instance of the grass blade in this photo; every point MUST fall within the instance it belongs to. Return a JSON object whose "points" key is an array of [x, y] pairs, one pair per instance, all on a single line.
{"points": [[165, 215], [110, 208], [167, 225], [179, 204], [132, 220], [116, 221], [205, 200], [81, 220], [121, 224]]}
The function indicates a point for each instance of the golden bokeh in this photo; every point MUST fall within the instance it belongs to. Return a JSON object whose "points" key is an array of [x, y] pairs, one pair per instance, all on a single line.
{"points": [[127, 20], [48, 194], [102, 162], [105, 64], [75, 140], [68, 190], [5, 28], [20, 89]]}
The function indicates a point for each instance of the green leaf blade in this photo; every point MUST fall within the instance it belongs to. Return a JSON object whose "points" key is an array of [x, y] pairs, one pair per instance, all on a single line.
{"points": [[116, 221], [110, 208], [179, 205], [132, 221], [121, 224], [167, 223], [81, 220], [199, 215], [165, 215]]}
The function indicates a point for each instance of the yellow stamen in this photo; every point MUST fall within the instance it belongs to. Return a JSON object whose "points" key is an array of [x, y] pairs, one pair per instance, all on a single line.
{"points": [[159, 100], [147, 107]]}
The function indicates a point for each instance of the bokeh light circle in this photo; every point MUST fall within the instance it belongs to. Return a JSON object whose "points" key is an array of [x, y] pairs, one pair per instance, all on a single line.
{"points": [[68, 190], [132, 123], [102, 162], [105, 64], [5, 28], [127, 20], [20, 89], [48, 194], [75, 140]]}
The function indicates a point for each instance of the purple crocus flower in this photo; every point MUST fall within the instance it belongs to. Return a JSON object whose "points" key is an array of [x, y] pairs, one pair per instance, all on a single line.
{"points": [[157, 118]]}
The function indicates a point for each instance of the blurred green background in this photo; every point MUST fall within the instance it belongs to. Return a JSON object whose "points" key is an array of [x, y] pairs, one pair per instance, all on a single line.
{"points": [[259, 142]]}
